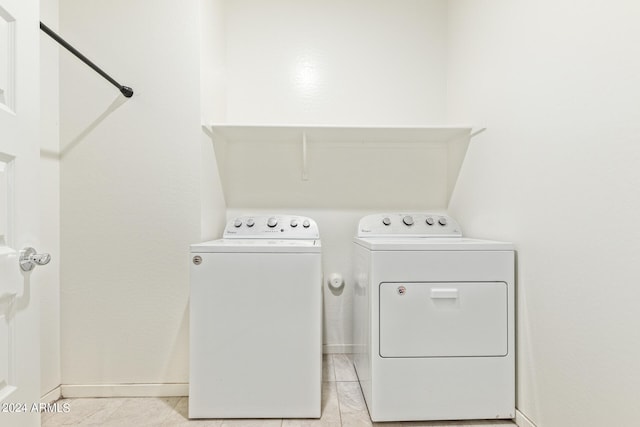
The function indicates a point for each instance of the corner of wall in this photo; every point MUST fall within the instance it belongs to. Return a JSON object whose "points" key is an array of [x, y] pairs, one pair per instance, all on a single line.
{"points": [[212, 106]]}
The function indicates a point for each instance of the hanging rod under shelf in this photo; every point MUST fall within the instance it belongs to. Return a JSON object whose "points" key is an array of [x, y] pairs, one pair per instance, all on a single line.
{"points": [[125, 90]]}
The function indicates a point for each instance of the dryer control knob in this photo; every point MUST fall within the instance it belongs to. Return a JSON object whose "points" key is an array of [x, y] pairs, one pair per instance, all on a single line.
{"points": [[294, 223], [386, 220], [250, 222], [272, 222], [237, 223], [442, 221], [430, 221], [408, 220], [306, 223]]}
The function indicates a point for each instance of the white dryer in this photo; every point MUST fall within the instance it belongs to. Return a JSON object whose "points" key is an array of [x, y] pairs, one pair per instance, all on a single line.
{"points": [[434, 320], [256, 321]]}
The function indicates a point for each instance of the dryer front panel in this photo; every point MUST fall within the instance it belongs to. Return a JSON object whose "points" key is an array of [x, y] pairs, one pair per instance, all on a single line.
{"points": [[443, 319]]}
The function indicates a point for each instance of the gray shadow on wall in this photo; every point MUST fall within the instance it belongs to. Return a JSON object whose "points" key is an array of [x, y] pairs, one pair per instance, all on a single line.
{"points": [[94, 124]]}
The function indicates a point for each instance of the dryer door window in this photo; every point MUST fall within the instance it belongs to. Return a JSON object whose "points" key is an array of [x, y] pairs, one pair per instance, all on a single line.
{"points": [[445, 319]]}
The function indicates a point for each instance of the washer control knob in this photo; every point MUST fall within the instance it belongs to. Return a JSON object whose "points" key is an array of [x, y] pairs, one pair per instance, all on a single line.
{"points": [[442, 221], [408, 220], [386, 220], [237, 223], [272, 222], [429, 221], [250, 222], [294, 223], [306, 223]]}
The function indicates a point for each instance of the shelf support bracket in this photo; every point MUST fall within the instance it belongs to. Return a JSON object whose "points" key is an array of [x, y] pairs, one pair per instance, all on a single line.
{"points": [[477, 132], [305, 166]]}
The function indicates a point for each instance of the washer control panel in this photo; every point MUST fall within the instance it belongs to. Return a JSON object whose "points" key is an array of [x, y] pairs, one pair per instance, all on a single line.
{"points": [[271, 227], [408, 225]]}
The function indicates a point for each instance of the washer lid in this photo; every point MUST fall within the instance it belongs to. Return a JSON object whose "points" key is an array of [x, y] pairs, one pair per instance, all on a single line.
{"points": [[431, 244], [258, 246]]}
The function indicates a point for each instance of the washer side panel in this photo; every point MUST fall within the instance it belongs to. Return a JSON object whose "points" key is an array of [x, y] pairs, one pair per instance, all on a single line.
{"points": [[255, 336]]}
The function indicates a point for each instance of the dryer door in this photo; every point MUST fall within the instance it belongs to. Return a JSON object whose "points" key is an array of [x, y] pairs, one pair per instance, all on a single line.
{"points": [[443, 319]]}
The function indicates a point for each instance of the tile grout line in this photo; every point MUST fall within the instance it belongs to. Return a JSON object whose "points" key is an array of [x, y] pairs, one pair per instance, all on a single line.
{"points": [[174, 407], [335, 381], [81, 421]]}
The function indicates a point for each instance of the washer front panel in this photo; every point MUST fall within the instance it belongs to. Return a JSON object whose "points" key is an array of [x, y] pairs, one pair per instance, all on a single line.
{"points": [[256, 336]]}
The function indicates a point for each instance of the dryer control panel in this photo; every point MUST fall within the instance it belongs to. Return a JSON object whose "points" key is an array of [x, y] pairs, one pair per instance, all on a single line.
{"points": [[408, 225], [271, 227]]}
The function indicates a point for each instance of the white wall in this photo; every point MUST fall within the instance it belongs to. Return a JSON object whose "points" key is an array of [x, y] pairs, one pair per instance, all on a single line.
{"points": [[131, 191], [557, 84], [333, 62], [49, 198], [361, 62], [212, 99]]}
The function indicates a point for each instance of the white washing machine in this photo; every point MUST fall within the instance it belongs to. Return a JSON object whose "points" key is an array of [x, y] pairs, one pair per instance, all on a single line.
{"points": [[256, 321], [434, 320]]}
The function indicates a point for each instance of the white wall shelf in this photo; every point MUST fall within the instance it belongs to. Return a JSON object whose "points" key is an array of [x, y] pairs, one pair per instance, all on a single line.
{"points": [[253, 160], [329, 133]]}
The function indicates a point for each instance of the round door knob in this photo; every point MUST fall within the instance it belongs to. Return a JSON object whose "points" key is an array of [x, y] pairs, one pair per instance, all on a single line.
{"points": [[294, 223], [408, 220], [386, 220], [272, 222], [429, 221], [250, 222], [306, 223], [237, 223], [442, 221]]}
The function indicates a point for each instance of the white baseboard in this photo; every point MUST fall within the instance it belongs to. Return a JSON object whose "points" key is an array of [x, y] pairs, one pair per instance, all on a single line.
{"points": [[178, 389], [338, 348], [125, 390], [523, 421], [52, 396]]}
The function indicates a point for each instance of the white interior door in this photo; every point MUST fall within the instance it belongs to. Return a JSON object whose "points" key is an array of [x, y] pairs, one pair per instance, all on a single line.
{"points": [[19, 156]]}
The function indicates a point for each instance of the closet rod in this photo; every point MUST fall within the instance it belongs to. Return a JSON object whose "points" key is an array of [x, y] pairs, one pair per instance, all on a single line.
{"points": [[125, 90]]}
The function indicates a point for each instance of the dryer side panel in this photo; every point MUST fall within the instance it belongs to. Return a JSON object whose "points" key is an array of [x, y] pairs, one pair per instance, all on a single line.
{"points": [[362, 317]]}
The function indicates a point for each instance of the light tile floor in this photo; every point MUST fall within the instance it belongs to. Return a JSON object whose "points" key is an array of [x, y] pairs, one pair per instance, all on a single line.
{"points": [[342, 405]]}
